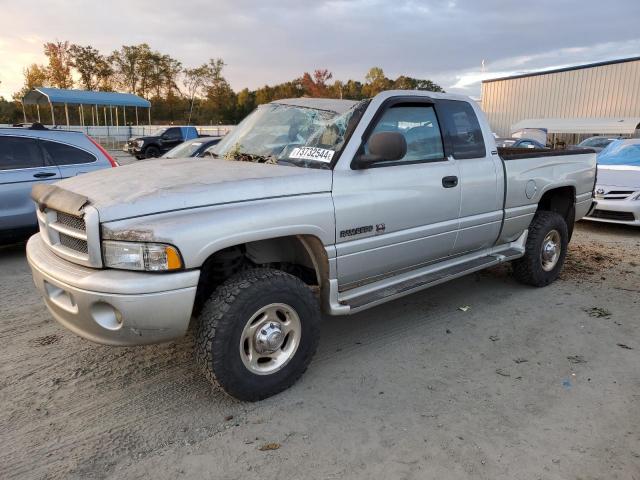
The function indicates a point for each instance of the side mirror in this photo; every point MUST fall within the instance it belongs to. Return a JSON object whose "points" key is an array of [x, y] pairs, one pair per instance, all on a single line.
{"points": [[383, 146]]}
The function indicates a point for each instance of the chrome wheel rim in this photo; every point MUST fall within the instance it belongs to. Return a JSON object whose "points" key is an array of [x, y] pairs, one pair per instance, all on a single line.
{"points": [[270, 338], [550, 253]]}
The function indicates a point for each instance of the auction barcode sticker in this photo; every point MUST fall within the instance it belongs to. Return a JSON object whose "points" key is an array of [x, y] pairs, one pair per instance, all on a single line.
{"points": [[312, 153]]}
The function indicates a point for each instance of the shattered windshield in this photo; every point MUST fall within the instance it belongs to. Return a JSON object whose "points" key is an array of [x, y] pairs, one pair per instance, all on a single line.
{"points": [[289, 135]]}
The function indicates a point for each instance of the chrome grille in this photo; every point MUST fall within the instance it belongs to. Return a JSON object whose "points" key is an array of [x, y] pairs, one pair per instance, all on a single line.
{"points": [[69, 236], [75, 244], [70, 221]]}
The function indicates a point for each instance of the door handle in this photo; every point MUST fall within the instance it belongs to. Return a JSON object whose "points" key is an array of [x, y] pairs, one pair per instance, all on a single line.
{"points": [[44, 174], [450, 182]]}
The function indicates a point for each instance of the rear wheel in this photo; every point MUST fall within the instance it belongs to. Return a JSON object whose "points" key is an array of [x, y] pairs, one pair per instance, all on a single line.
{"points": [[258, 333], [545, 252]]}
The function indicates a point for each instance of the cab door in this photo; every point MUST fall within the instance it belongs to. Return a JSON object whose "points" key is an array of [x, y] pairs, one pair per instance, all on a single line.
{"points": [[22, 165], [481, 177], [401, 214], [170, 138]]}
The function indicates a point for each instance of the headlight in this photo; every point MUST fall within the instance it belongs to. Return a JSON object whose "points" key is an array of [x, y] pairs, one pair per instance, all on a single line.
{"points": [[151, 257], [139, 143]]}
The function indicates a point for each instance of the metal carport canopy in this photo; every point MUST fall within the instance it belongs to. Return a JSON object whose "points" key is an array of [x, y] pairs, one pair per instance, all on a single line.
{"points": [[607, 126], [58, 96]]}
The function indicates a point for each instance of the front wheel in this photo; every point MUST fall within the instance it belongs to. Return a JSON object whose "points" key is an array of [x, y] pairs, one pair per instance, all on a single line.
{"points": [[258, 333], [545, 251], [152, 152]]}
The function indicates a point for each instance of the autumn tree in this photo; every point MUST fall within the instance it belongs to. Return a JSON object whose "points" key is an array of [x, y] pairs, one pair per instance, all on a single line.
{"points": [[352, 90], [291, 89], [34, 76], [194, 80], [195, 95], [146, 72], [94, 69], [59, 64], [163, 74], [245, 103], [316, 85], [376, 82], [8, 111], [127, 62], [220, 97], [264, 95], [408, 83]]}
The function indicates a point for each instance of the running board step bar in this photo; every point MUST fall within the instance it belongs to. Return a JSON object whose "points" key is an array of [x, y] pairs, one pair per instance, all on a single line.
{"points": [[382, 291]]}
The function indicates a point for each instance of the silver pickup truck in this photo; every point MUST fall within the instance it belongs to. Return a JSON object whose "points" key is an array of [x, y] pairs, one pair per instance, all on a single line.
{"points": [[308, 205]]}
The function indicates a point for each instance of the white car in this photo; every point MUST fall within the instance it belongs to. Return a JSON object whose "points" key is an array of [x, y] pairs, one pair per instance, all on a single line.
{"points": [[618, 184]]}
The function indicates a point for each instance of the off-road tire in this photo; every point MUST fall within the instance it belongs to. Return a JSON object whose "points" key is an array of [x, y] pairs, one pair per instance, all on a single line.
{"points": [[224, 317], [528, 269], [152, 152]]}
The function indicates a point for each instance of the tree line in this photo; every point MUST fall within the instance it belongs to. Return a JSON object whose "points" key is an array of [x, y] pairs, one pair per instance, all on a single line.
{"points": [[179, 94]]}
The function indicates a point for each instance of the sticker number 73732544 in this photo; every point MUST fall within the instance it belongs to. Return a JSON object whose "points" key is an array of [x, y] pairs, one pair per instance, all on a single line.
{"points": [[312, 153]]}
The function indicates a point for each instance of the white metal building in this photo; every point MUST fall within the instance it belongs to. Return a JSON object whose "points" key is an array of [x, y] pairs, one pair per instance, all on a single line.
{"points": [[608, 91]]}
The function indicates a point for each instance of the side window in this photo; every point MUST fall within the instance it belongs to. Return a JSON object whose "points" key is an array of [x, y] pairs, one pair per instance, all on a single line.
{"points": [[19, 152], [172, 134], [419, 125], [61, 154], [463, 130]]}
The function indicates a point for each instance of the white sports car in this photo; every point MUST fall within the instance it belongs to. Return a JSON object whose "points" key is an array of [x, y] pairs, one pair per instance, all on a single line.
{"points": [[618, 184]]}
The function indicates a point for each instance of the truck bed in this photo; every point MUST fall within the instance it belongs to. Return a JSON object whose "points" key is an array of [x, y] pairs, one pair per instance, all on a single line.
{"points": [[530, 173]]}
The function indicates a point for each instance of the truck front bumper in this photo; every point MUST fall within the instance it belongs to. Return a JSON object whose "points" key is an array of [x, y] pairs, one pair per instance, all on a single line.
{"points": [[132, 149], [113, 307]]}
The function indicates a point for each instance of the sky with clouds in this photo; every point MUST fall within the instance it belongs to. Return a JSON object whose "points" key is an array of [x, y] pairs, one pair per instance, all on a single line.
{"points": [[266, 42]]}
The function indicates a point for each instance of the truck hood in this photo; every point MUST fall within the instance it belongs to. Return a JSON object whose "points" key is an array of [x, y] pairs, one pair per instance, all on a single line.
{"points": [[627, 176], [150, 187]]}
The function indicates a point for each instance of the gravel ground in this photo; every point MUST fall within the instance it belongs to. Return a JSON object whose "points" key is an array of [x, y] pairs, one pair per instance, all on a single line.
{"points": [[123, 158], [527, 383]]}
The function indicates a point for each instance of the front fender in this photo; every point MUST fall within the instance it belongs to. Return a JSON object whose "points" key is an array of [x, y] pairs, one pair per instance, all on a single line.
{"points": [[200, 232]]}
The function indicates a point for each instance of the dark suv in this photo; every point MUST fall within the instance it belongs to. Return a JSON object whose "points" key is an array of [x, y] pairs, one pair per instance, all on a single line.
{"points": [[155, 145]]}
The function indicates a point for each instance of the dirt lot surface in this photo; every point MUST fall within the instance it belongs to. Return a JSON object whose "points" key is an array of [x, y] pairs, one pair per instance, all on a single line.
{"points": [[525, 384]]}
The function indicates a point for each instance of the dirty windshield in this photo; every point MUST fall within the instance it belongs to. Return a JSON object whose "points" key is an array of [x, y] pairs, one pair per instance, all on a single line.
{"points": [[288, 135]]}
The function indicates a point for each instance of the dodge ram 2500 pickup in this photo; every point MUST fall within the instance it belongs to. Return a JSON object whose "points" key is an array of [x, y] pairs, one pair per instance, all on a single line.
{"points": [[308, 205]]}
